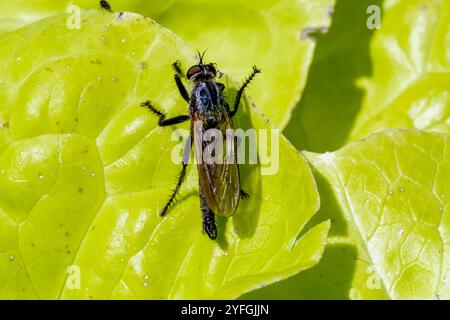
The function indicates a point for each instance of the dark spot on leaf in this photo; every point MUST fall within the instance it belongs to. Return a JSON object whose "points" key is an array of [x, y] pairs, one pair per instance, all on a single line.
{"points": [[313, 33]]}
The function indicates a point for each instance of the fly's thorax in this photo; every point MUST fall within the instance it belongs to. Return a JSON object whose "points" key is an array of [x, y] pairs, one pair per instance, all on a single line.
{"points": [[207, 99]]}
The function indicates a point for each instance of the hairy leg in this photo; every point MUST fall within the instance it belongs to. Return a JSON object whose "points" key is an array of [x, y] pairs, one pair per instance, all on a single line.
{"points": [[242, 88], [163, 122]]}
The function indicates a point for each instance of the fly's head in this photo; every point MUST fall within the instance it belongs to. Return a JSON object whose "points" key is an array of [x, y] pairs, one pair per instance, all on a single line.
{"points": [[202, 71]]}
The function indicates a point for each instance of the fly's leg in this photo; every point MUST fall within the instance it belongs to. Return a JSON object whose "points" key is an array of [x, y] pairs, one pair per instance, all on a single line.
{"points": [[181, 176], [209, 223], [243, 194], [163, 122], [175, 191], [242, 88], [177, 68], [178, 74]]}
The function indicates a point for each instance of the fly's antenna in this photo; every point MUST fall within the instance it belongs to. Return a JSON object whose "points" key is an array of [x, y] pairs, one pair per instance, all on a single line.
{"points": [[201, 55]]}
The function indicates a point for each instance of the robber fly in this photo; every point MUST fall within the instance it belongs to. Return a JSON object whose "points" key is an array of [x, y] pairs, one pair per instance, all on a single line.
{"points": [[219, 185]]}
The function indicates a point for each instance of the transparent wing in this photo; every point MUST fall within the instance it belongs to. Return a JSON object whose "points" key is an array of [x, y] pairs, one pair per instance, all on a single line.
{"points": [[218, 170]]}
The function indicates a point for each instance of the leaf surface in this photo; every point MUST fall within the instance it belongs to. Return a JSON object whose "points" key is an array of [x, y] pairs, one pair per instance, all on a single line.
{"points": [[411, 70], [237, 35], [85, 171], [387, 197]]}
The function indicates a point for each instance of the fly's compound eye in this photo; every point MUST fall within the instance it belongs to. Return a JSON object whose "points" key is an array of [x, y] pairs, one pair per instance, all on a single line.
{"points": [[193, 71]]}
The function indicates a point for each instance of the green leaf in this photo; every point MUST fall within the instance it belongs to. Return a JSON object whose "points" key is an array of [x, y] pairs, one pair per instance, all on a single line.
{"points": [[339, 275], [344, 271], [392, 190], [362, 81], [324, 117], [14, 14], [387, 197], [17, 13], [411, 58], [84, 171], [237, 35], [265, 33]]}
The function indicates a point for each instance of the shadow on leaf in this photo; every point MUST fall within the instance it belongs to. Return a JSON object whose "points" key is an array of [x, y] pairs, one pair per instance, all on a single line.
{"points": [[329, 209], [330, 279], [324, 117]]}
